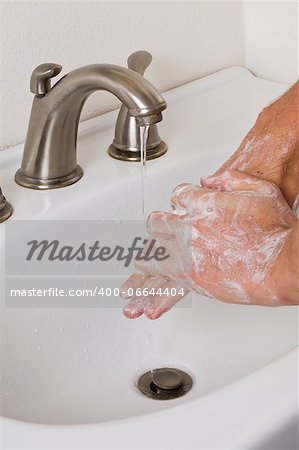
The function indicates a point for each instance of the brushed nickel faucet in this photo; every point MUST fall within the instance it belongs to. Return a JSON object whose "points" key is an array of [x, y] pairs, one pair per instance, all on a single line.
{"points": [[5, 208], [49, 159], [126, 143]]}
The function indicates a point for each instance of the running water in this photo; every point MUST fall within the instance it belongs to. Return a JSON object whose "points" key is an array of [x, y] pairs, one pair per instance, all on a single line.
{"points": [[143, 141]]}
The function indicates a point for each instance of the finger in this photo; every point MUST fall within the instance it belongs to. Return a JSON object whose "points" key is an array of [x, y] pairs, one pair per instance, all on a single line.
{"points": [[134, 308], [158, 261], [185, 194], [176, 259], [161, 223], [155, 266], [169, 231], [175, 195], [158, 305], [135, 281], [199, 203], [234, 180], [136, 305]]}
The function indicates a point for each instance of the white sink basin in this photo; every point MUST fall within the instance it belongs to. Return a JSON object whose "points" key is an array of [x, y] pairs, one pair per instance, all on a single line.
{"points": [[65, 367]]}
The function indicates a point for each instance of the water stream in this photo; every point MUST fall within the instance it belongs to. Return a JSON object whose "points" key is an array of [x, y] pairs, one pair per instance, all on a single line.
{"points": [[143, 141], [150, 353]]}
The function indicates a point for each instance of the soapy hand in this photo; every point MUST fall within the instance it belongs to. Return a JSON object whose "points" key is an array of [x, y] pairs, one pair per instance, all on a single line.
{"points": [[270, 150], [233, 240]]}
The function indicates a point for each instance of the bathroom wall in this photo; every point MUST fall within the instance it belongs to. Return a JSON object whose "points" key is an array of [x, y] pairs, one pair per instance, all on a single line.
{"points": [[188, 39], [271, 39]]}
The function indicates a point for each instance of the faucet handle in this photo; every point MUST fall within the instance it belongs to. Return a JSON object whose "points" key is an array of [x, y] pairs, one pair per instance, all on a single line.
{"points": [[40, 79], [139, 61]]}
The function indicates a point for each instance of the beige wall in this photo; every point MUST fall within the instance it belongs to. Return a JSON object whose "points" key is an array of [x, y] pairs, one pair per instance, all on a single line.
{"points": [[271, 39], [187, 39]]}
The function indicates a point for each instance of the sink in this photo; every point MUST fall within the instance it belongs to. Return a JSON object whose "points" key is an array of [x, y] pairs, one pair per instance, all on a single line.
{"points": [[68, 375]]}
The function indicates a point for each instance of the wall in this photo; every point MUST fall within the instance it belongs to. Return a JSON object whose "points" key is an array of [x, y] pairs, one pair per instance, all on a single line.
{"points": [[271, 39], [187, 40]]}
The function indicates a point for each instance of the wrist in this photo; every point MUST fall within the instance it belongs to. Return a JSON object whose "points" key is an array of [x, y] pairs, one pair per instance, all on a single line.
{"points": [[270, 151]]}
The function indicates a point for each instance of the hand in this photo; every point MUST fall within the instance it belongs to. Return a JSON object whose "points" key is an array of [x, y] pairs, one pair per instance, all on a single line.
{"points": [[239, 239], [270, 150]]}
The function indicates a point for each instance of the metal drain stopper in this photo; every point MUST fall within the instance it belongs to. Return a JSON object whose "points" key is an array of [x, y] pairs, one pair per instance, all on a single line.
{"points": [[165, 383], [167, 379]]}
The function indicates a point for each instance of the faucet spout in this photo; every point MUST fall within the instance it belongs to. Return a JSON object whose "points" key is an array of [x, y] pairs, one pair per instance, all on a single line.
{"points": [[49, 159]]}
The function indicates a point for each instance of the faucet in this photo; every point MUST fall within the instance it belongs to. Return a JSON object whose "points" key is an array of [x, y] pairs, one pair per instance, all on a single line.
{"points": [[49, 159], [5, 208], [126, 144]]}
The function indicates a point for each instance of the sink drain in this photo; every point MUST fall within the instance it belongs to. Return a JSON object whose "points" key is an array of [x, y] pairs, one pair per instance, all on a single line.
{"points": [[165, 383]]}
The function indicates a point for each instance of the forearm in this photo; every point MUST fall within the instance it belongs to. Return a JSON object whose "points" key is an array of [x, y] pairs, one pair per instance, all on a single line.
{"points": [[284, 275], [270, 150]]}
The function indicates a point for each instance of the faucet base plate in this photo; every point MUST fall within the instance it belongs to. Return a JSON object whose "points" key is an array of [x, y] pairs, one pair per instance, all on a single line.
{"points": [[54, 183], [130, 155], [6, 212]]}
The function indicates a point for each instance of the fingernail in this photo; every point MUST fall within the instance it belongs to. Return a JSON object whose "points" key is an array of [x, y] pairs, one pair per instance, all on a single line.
{"points": [[132, 313]]}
